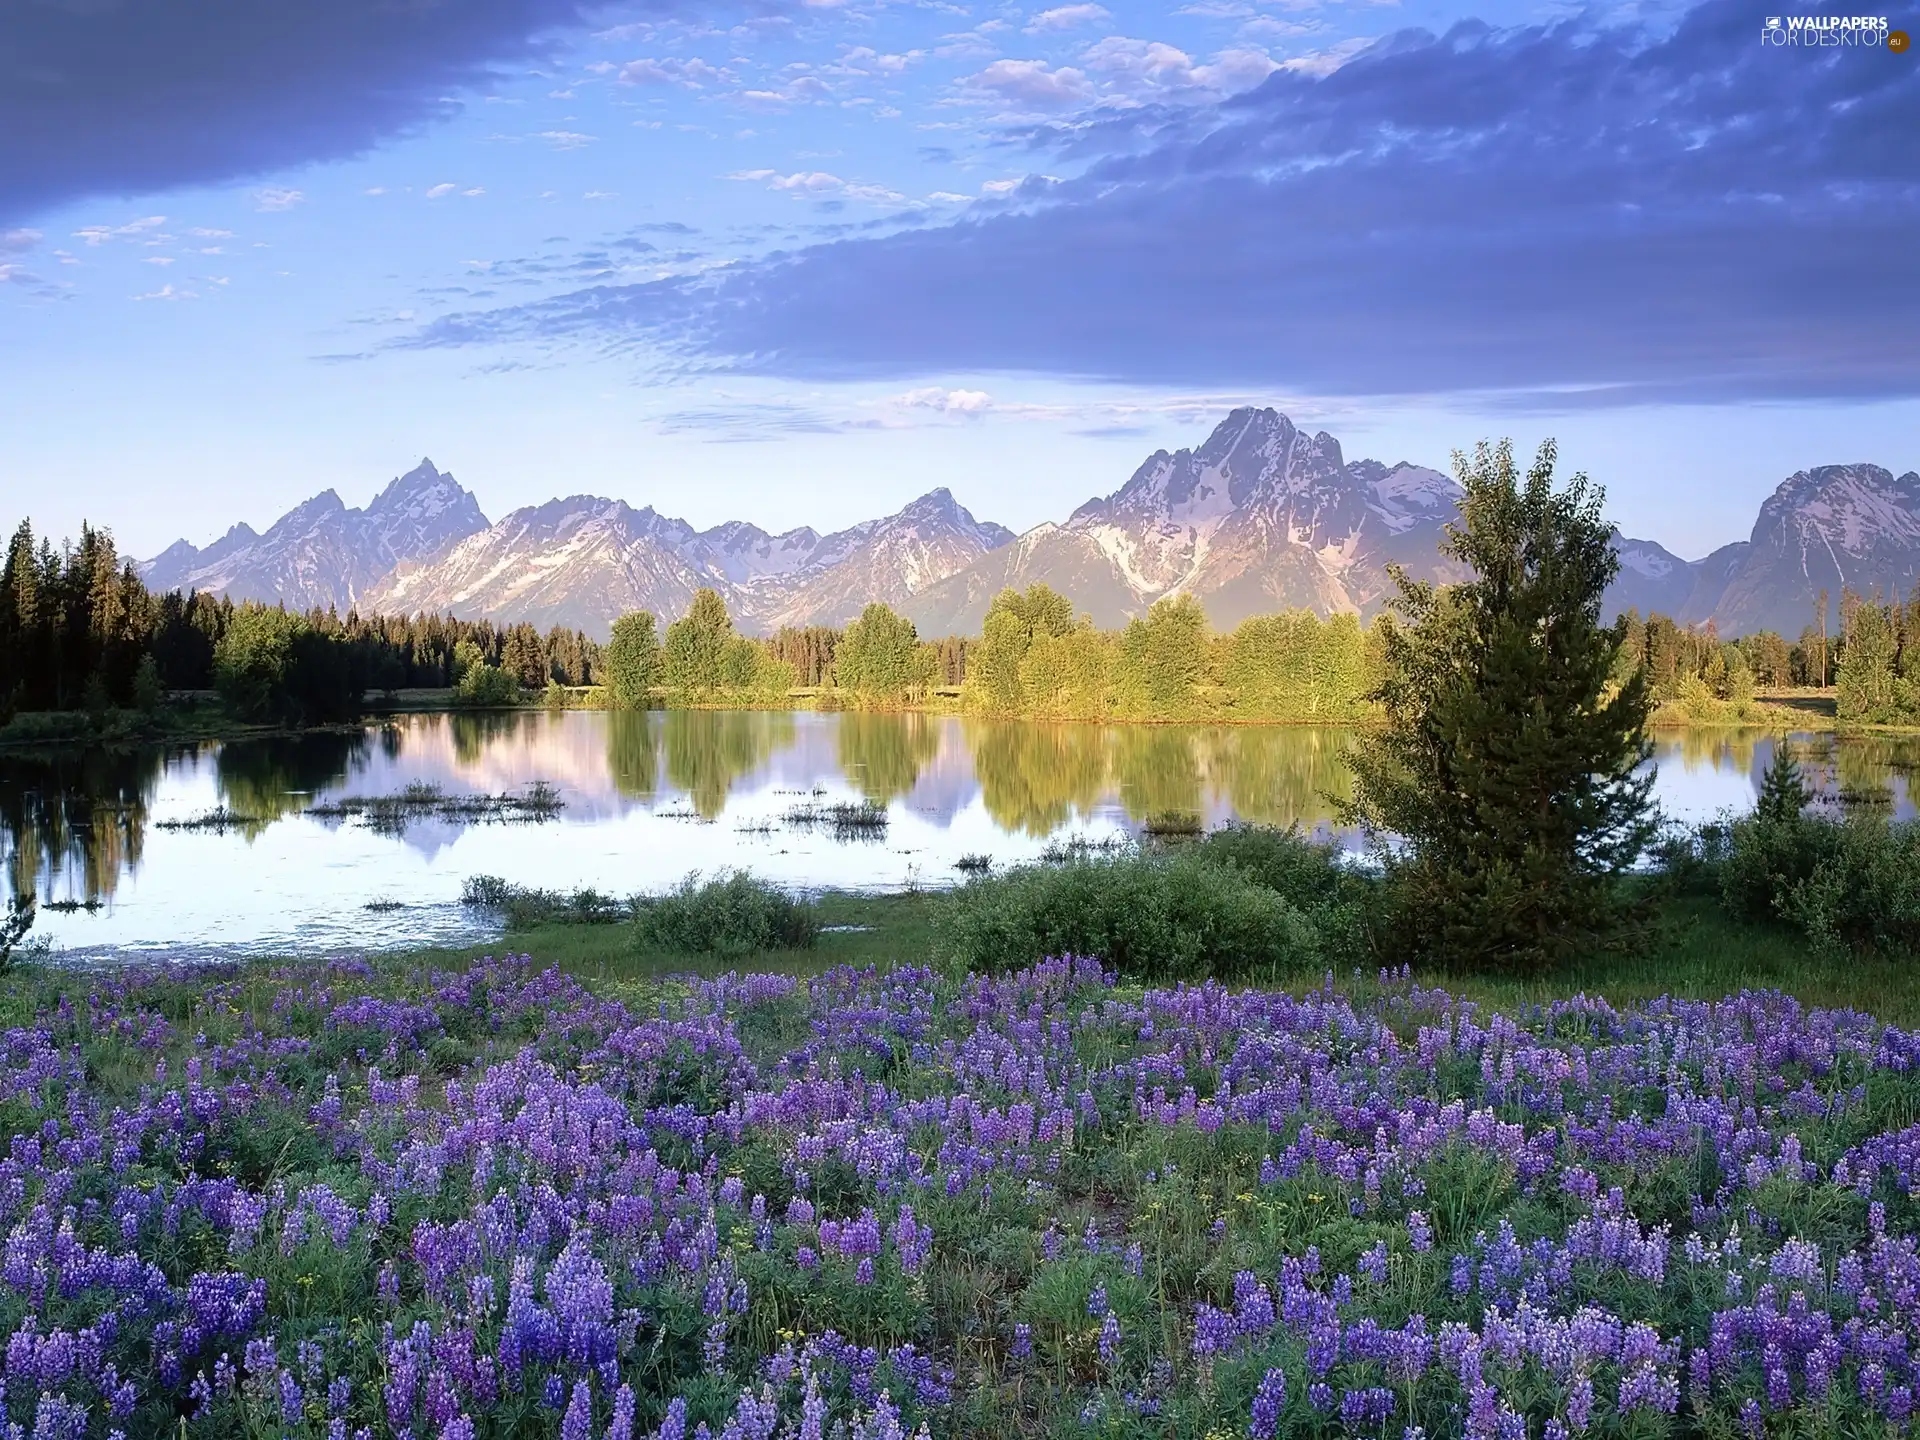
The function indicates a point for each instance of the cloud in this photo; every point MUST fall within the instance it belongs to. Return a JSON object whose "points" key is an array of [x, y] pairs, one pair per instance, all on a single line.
{"points": [[167, 292], [128, 97], [1067, 17], [946, 402], [1033, 84], [443, 189], [1589, 214], [818, 184], [694, 73], [18, 242], [566, 139], [275, 197]]}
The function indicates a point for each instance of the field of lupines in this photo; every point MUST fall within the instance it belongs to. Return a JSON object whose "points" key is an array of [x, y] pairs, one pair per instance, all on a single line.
{"points": [[350, 1201]]}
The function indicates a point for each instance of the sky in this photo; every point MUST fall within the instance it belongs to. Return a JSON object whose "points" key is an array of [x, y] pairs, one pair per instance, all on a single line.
{"points": [[799, 261]]}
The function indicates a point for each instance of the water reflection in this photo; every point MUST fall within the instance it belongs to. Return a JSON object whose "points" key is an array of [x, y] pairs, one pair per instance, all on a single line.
{"points": [[102, 828]]}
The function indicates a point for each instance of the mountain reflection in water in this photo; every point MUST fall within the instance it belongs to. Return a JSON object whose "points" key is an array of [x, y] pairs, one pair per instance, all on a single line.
{"points": [[210, 849]]}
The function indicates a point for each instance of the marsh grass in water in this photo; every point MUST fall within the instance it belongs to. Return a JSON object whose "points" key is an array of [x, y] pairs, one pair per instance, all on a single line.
{"points": [[391, 814], [842, 819]]}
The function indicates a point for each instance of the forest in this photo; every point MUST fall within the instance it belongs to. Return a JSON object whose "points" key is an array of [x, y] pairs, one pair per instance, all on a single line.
{"points": [[80, 632]]}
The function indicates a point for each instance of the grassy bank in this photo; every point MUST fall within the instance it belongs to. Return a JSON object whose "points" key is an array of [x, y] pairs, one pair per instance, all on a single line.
{"points": [[1693, 950]]}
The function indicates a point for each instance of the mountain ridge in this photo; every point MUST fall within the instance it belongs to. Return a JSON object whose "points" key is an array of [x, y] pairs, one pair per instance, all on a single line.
{"points": [[1260, 516]]}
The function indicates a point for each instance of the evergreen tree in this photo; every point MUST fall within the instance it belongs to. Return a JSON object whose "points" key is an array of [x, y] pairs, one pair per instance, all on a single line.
{"points": [[1508, 756], [633, 662], [1783, 791]]}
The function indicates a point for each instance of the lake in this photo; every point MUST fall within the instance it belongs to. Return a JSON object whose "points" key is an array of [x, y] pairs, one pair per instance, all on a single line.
{"points": [[317, 843]]}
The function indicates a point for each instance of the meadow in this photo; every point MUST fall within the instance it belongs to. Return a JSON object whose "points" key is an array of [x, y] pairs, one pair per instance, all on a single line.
{"points": [[450, 1196]]}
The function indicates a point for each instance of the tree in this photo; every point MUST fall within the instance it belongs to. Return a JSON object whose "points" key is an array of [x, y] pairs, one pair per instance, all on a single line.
{"points": [[1014, 623], [1162, 661], [1783, 792], [253, 663], [880, 658], [1507, 762], [1864, 682], [696, 644], [632, 662]]}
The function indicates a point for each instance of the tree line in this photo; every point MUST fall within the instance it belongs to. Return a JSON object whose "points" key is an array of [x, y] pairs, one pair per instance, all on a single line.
{"points": [[79, 630]]}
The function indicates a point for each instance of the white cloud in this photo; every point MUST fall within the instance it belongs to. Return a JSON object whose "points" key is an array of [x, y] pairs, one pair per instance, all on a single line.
{"points": [[475, 191], [818, 184], [1034, 84], [445, 188], [17, 242], [1152, 70], [167, 292], [156, 260], [374, 190], [275, 197], [600, 195], [201, 232], [133, 229], [947, 402], [1066, 17], [693, 73], [566, 139]]}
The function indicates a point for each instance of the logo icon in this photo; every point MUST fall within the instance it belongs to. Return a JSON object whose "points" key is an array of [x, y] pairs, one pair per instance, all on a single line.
{"points": [[1773, 22], [1899, 42]]}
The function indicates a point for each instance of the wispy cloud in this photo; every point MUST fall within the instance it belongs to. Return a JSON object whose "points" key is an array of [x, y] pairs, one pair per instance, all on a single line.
{"points": [[275, 197]]}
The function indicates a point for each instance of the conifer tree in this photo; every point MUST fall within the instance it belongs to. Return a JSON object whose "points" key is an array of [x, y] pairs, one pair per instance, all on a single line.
{"points": [[1783, 791], [1507, 762]]}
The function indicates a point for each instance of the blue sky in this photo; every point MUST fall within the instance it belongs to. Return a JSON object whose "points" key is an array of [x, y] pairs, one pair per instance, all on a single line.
{"points": [[799, 262]]}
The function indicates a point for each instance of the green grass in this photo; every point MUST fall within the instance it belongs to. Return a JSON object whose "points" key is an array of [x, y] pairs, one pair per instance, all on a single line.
{"points": [[1693, 950], [889, 928]]}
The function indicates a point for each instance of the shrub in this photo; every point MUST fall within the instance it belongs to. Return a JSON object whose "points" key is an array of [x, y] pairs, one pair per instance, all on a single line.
{"points": [[1180, 916], [523, 907], [1848, 885], [733, 914]]}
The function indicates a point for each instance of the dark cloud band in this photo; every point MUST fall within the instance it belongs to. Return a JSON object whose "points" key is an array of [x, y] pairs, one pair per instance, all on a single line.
{"points": [[1632, 217], [138, 96]]}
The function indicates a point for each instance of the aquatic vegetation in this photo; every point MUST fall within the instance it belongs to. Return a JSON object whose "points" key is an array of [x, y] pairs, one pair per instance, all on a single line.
{"points": [[842, 819], [391, 814], [342, 1201]]}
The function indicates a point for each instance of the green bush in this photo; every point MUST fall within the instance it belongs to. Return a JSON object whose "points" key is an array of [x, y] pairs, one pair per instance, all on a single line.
{"points": [[1848, 885], [1155, 917], [523, 907], [734, 914]]}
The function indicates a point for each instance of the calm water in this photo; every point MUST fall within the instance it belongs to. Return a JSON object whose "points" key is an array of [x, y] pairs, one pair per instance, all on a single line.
{"points": [[648, 798]]}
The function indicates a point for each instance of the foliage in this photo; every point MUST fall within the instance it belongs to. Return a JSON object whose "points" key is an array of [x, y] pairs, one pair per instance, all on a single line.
{"points": [[733, 914], [1850, 885], [1508, 756], [632, 663], [1878, 680], [879, 657], [1162, 662], [523, 907], [478, 685], [1156, 917], [1015, 622], [14, 926], [79, 630]]}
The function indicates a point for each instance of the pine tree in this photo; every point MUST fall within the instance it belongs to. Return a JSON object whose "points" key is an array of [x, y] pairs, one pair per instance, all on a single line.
{"points": [[1507, 762], [1783, 791]]}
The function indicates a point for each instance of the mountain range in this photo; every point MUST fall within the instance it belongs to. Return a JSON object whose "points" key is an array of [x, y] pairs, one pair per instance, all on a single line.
{"points": [[1262, 516]]}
